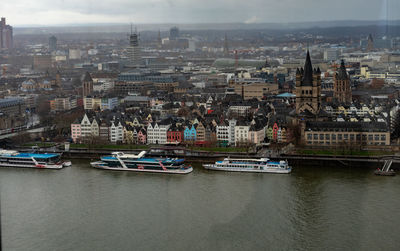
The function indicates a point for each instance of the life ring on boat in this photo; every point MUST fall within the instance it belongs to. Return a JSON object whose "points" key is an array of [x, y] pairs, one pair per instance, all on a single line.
{"points": [[39, 165]]}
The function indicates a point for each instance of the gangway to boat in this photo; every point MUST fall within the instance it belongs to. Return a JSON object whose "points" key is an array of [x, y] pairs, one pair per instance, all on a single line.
{"points": [[386, 171], [387, 165]]}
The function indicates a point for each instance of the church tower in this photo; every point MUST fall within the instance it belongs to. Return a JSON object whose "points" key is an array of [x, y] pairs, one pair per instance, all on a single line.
{"points": [[58, 78], [87, 85], [308, 88], [341, 85]]}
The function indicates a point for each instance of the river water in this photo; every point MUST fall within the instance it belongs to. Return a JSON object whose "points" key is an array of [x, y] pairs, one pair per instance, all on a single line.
{"points": [[81, 208]]}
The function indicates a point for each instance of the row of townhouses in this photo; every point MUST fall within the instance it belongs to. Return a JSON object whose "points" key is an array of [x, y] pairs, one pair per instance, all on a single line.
{"points": [[175, 131]]}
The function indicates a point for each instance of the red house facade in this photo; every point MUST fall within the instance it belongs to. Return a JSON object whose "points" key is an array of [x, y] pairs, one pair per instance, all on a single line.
{"points": [[175, 135]]}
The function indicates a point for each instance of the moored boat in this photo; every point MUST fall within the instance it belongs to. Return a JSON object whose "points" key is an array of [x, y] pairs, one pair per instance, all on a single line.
{"points": [[390, 172], [11, 158], [139, 163], [263, 165]]}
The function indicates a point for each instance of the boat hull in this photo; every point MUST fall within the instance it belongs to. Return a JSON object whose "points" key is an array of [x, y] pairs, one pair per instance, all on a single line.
{"points": [[100, 165], [249, 170], [384, 173], [67, 163], [32, 166]]}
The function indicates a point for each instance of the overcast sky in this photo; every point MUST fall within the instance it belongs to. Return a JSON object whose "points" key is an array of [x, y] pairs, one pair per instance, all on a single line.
{"points": [[59, 12]]}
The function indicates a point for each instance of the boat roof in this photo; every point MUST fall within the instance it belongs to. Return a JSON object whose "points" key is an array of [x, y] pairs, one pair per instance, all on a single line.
{"points": [[127, 155], [244, 162], [262, 159], [15, 154], [145, 159]]}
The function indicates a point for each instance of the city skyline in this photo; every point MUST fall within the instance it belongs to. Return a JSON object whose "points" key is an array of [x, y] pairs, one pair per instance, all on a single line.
{"points": [[72, 12]]}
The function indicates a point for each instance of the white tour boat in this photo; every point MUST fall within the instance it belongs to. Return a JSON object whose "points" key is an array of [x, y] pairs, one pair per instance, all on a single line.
{"points": [[263, 165]]}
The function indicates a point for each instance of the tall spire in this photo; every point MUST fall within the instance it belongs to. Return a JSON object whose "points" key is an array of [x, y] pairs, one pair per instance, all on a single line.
{"points": [[308, 71]]}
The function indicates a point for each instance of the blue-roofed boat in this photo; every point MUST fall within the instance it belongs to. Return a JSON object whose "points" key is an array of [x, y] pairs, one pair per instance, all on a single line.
{"points": [[139, 163], [263, 165], [11, 158]]}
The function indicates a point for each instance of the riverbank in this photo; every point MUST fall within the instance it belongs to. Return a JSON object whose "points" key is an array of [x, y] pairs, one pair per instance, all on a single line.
{"points": [[373, 160]]}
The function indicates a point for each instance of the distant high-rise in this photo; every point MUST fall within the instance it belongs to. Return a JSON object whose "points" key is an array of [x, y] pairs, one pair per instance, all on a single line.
{"points": [[174, 33], [159, 40], [370, 43], [341, 85], [6, 35], [52, 43], [134, 51], [226, 46]]}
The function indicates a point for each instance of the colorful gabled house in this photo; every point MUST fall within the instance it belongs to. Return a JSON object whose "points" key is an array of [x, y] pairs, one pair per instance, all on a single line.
{"points": [[211, 135], [128, 134], [275, 130], [189, 133], [175, 134], [76, 131], [200, 134]]}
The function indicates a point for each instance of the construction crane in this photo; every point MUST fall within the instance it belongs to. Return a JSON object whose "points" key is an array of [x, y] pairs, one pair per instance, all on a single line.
{"points": [[4, 70], [236, 52]]}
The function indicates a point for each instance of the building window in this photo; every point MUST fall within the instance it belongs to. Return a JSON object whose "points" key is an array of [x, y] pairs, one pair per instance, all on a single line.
{"points": [[339, 136], [321, 137], [315, 136]]}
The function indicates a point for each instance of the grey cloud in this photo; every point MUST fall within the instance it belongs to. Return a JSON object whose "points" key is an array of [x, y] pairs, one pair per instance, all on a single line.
{"points": [[192, 11]]}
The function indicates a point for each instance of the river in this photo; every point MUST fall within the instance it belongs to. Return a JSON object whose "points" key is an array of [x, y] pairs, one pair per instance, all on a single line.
{"points": [[313, 208]]}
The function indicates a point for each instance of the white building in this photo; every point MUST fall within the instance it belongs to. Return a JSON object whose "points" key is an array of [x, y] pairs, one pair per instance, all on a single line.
{"points": [[103, 86], [241, 134], [232, 124], [94, 128], [223, 131], [116, 132], [74, 54], [331, 54], [240, 110], [86, 127], [157, 133]]}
